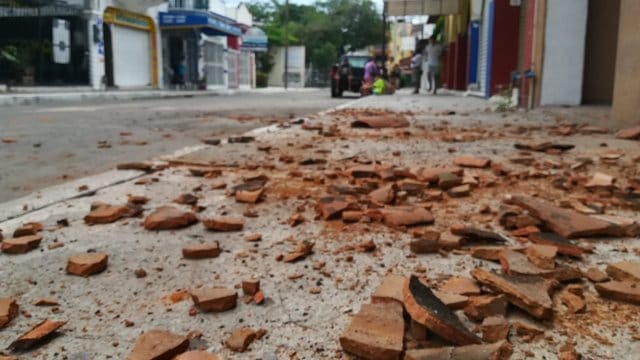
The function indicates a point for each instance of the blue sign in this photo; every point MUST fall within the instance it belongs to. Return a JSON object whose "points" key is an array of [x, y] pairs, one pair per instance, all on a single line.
{"points": [[210, 24]]}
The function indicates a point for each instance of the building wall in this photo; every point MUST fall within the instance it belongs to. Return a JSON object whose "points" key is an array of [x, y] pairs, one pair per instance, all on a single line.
{"points": [[564, 49], [296, 65], [626, 94], [600, 52]]}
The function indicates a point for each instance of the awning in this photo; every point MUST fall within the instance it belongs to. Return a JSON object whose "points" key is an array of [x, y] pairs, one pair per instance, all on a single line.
{"points": [[421, 7], [254, 39], [209, 23]]}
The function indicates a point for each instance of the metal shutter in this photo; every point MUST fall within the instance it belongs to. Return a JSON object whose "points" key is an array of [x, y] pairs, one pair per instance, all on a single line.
{"points": [[131, 57]]}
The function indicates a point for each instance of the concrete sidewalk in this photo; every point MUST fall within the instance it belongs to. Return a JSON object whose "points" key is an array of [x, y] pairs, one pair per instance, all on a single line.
{"points": [[62, 96], [309, 303]]}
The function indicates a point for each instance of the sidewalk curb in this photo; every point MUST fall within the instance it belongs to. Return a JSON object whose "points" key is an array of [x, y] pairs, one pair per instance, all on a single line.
{"points": [[52, 195]]}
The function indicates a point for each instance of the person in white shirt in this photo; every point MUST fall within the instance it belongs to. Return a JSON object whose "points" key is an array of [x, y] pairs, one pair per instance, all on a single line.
{"points": [[434, 51], [416, 69]]}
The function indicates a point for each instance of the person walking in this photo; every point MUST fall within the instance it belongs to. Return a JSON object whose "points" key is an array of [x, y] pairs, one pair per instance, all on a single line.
{"points": [[370, 71], [416, 70], [434, 51]]}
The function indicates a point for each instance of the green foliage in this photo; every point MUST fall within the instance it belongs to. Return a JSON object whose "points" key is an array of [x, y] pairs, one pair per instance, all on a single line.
{"points": [[328, 28]]}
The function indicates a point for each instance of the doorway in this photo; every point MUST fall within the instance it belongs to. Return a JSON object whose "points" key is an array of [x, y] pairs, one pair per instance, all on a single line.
{"points": [[108, 55], [600, 51]]}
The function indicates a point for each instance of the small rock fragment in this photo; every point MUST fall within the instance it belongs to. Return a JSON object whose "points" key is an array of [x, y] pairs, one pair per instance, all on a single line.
{"points": [[470, 161], [31, 228], [21, 245], [564, 246], [106, 214], [480, 307], [573, 302], [240, 339], [494, 328], [459, 191], [620, 290], [253, 237], [497, 351], [201, 251], [46, 302], [461, 286], [223, 223], [302, 250], [8, 311], [158, 345], [527, 332], [87, 264], [197, 355], [543, 256], [596, 275], [214, 299], [366, 246], [251, 286], [140, 273], [169, 218], [39, 333]]}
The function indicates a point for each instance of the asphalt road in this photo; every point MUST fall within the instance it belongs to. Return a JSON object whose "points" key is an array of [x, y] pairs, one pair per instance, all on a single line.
{"points": [[57, 143]]}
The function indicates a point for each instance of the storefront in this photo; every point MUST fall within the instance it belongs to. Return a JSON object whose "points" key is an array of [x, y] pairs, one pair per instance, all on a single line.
{"points": [[195, 42], [130, 50]]}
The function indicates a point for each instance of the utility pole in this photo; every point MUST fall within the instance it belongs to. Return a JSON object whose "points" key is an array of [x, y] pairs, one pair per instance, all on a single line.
{"points": [[286, 44]]}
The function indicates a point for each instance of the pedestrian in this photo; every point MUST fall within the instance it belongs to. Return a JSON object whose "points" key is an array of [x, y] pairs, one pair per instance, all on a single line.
{"points": [[434, 51], [345, 74], [416, 70], [370, 71]]}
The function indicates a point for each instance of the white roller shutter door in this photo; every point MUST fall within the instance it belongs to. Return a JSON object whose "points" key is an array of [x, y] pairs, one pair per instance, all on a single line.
{"points": [[131, 57]]}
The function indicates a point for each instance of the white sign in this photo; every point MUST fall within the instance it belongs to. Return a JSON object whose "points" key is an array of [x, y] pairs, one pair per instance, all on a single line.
{"points": [[407, 43], [61, 41]]}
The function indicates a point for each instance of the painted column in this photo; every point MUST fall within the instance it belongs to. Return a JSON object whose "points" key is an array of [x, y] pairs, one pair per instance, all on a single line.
{"points": [[626, 92]]}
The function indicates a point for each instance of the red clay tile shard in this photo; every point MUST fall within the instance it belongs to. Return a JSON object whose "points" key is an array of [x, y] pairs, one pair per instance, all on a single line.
{"points": [[214, 299], [240, 339], [526, 331], [296, 219], [629, 134], [530, 293], [461, 286], [596, 275], [453, 301], [600, 180], [424, 246], [625, 271], [186, 199], [46, 302], [28, 229], [251, 286], [249, 196], [497, 351], [352, 216], [447, 181], [223, 223], [564, 246], [459, 191], [480, 307], [380, 121], [87, 264], [135, 166], [169, 218], [389, 290], [567, 223], [432, 175], [425, 308], [383, 195], [158, 345], [363, 171], [491, 253], [21, 245], [573, 302], [376, 332], [627, 291], [137, 199], [473, 234], [406, 216], [106, 214], [8, 311], [515, 263], [470, 161], [201, 251], [36, 335], [197, 355], [331, 207], [543, 256], [302, 250], [495, 328]]}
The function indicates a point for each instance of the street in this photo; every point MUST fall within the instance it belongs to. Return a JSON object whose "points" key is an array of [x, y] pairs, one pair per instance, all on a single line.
{"points": [[57, 143]]}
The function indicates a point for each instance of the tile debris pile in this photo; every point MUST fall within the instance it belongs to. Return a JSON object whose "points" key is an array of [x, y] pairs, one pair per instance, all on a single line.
{"points": [[521, 269]]}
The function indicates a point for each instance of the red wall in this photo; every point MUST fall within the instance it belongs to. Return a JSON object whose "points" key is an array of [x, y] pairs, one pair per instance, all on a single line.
{"points": [[460, 82], [527, 52], [505, 44]]}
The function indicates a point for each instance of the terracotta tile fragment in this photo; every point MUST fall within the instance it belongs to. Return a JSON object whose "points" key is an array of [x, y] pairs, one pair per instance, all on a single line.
{"points": [[425, 308], [495, 328], [515, 263], [214, 299], [629, 134], [146, 167], [389, 290], [406, 216], [38, 334], [379, 122], [596, 275], [31, 228], [527, 332], [352, 216], [530, 293], [197, 355], [201, 251], [87, 264], [331, 207], [255, 237], [473, 234], [497, 351], [158, 345], [453, 301], [106, 214], [626, 291], [20, 245], [376, 332], [46, 302], [491, 253], [564, 246], [625, 271], [573, 302], [240, 339], [543, 256], [169, 218], [567, 223], [459, 191], [482, 306], [250, 286], [8, 311], [461, 286], [470, 161], [301, 251], [223, 223]]}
